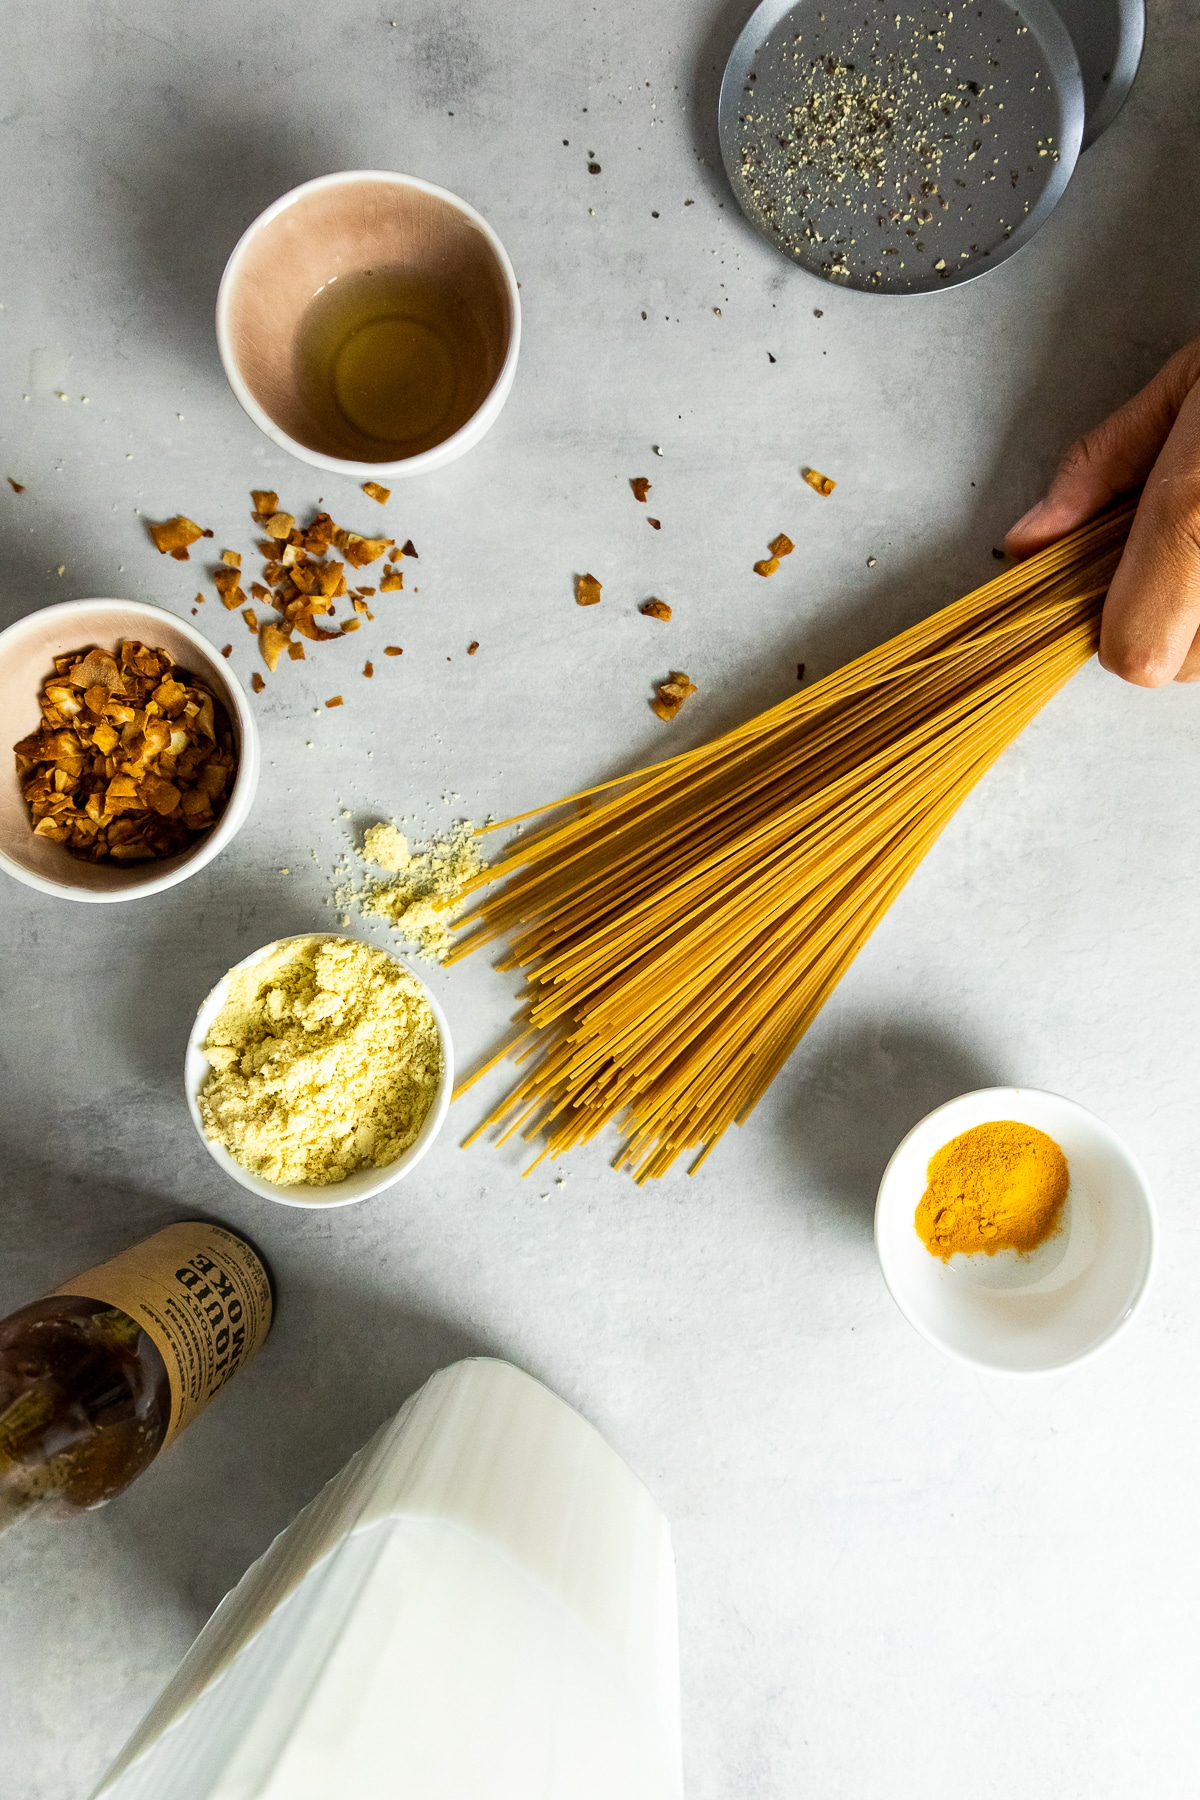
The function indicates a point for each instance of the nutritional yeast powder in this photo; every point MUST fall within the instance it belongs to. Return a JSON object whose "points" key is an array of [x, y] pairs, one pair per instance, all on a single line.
{"points": [[325, 1059]]}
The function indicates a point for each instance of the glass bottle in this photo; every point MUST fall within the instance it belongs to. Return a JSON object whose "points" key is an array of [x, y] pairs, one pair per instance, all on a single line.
{"points": [[96, 1378]]}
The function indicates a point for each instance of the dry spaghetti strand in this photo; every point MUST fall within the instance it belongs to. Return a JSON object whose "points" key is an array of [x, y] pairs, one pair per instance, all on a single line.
{"points": [[681, 927]]}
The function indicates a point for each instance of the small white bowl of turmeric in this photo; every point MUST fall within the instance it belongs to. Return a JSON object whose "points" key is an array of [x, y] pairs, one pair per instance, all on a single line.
{"points": [[1016, 1231], [319, 1070]]}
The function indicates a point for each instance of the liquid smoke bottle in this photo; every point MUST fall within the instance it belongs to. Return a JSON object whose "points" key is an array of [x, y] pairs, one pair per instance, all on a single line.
{"points": [[98, 1377]]}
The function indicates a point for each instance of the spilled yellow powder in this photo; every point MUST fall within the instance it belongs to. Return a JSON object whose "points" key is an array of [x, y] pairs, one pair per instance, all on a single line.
{"points": [[325, 1059], [426, 883], [386, 847]]}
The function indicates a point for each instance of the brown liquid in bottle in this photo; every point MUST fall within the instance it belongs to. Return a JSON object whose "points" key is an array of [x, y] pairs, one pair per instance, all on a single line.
{"points": [[97, 1377], [84, 1404]]}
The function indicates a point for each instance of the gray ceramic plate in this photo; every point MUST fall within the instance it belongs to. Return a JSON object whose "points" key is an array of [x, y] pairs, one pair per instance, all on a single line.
{"points": [[901, 148], [1108, 36]]}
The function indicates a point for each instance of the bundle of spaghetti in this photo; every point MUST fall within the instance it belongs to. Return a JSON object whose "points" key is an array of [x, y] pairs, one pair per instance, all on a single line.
{"points": [[680, 934]]}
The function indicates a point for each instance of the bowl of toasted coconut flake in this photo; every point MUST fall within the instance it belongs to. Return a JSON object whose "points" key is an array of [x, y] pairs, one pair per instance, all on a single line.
{"points": [[134, 753]]}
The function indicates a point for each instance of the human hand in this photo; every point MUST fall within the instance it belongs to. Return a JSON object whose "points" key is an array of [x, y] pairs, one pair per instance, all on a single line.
{"points": [[1150, 632]]}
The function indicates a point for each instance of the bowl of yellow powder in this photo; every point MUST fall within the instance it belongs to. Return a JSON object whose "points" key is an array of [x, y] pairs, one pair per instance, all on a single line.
{"points": [[319, 1070], [1016, 1231]]}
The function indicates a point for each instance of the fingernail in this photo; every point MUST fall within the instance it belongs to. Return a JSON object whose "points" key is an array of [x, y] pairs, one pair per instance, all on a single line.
{"points": [[1028, 519]]}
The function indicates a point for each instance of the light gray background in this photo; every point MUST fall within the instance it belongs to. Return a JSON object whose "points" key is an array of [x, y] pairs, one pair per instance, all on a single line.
{"points": [[896, 1578]]}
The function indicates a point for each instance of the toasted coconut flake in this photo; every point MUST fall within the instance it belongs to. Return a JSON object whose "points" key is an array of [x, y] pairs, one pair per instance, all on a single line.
{"points": [[820, 484], [99, 669], [655, 609], [173, 536], [361, 551], [671, 694], [159, 793], [170, 695], [319, 534], [768, 566], [273, 640], [303, 621], [300, 579], [134, 777], [228, 583], [781, 545], [587, 590], [641, 487]]}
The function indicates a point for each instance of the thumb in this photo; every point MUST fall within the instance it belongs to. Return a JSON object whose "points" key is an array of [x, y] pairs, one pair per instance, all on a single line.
{"points": [[1115, 457], [1152, 612]]}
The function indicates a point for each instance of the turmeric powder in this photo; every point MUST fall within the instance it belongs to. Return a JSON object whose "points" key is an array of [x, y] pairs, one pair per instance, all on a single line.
{"points": [[998, 1186]]}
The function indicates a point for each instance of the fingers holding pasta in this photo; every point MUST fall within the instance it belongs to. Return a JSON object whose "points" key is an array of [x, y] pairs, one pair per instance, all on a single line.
{"points": [[1152, 615]]}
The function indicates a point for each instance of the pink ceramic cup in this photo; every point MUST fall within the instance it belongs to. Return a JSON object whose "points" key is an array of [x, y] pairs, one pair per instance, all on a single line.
{"points": [[341, 227]]}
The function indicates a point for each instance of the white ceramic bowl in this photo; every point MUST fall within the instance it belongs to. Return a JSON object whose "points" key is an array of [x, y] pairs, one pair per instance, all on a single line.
{"points": [[355, 222], [364, 1182], [1030, 1314], [27, 650]]}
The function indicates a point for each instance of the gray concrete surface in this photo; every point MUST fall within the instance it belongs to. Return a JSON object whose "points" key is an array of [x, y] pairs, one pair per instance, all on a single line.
{"points": [[897, 1578]]}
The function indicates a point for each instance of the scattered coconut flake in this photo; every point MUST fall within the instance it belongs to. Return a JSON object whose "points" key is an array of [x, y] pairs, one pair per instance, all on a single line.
{"points": [[671, 694]]}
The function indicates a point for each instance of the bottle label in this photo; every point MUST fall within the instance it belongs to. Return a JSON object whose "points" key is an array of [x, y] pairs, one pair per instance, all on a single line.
{"points": [[200, 1294]]}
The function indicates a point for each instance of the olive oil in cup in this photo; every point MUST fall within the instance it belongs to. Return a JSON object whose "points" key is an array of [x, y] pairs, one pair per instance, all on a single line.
{"points": [[370, 323], [390, 364]]}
